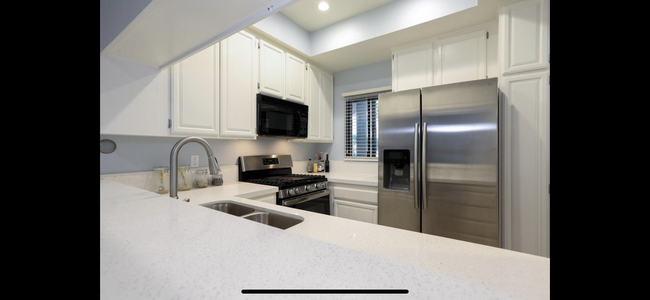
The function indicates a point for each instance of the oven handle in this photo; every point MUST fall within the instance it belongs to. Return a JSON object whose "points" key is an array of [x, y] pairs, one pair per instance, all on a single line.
{"points": [[304, 199]]}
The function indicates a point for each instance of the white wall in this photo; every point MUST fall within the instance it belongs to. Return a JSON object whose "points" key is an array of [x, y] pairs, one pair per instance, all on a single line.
{"points": [[115, 15], [286, 31], [385, 19]]}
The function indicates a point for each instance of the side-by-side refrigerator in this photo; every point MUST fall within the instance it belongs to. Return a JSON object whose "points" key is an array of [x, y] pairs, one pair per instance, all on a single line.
{"points": [[439, 161]]}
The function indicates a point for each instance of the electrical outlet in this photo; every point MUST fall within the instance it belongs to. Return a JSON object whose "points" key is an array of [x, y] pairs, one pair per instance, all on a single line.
{"points": [[194, 161]]}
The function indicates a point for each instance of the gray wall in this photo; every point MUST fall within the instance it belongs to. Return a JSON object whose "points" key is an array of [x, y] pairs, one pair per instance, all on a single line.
{"points": [[360, 78], [141, 153], [114, 16]]}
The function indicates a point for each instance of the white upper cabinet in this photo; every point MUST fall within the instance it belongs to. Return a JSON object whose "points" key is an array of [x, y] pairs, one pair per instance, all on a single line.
{"points": [[525, 31], [296, 69], [455, 57], [272, 65], [195, 94], [326, 107], [313, 101], [239, 69], [412, 66], [320, 101], [460, 57]]}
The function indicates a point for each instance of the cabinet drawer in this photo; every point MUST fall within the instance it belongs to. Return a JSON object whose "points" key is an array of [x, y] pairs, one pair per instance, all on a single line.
{"points": [[355, 195], [355, 211]]}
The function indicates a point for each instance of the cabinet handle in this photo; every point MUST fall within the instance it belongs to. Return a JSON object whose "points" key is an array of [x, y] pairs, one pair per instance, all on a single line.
{"points": [[416, 178], [424, 165]]}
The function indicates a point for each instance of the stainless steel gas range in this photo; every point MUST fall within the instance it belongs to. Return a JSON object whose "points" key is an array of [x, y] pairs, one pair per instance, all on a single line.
{"points": [[301, 191]]}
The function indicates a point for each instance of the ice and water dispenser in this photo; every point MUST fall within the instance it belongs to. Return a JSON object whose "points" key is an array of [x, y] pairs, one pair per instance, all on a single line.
{"points": [[397, 169]]}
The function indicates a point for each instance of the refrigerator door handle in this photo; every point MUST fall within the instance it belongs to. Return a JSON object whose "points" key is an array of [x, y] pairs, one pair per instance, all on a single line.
{"points": [[424, 165], [416, 177]]}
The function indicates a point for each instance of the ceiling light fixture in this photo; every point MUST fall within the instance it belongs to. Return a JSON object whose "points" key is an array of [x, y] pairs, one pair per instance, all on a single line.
{"points": [[323, 6]]}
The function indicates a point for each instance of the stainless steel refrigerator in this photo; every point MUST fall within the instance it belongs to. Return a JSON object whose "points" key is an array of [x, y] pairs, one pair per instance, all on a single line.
{"points": [[439, 161]]}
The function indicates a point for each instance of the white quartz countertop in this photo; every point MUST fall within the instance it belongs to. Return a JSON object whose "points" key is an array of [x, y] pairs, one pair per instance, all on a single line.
{"points": [[153, 247]]}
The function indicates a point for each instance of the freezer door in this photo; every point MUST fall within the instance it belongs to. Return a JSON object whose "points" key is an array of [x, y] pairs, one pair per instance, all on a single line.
{"points": [[460, 161], [398, 122]]}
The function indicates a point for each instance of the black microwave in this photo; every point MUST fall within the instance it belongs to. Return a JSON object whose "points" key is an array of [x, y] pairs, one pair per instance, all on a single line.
{"points": [[281, 118]]}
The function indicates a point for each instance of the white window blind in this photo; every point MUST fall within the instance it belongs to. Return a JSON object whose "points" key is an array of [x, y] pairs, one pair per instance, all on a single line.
{"points": [[361, 126]]}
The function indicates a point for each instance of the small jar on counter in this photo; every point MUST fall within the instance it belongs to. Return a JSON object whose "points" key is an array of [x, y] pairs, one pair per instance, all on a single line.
{"points": [[184, 178], [201, 178], [216, 180], [160, 179]]}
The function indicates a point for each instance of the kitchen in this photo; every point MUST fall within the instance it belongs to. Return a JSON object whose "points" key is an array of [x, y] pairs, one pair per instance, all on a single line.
{"points": [[135, 99]]}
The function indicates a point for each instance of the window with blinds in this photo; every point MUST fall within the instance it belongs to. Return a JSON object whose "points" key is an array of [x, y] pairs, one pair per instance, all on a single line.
{"points": [[361, 126]]}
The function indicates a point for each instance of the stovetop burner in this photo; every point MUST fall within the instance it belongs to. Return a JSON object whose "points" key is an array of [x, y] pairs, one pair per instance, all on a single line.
{"points": [[288, 180]]}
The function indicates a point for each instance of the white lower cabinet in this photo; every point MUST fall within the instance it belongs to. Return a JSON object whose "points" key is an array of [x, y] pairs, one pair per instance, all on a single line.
{"points": [[355, 202], [356, 211]]}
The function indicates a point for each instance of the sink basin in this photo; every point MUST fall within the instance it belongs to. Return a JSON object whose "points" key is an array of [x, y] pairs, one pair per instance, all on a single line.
{"points": [[269, 217], [230, 208], [274, 219]]}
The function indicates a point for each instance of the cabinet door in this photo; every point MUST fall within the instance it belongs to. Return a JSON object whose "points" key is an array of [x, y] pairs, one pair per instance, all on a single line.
{"points": [[271, 70], [195, 93], [313, 101], [460, 57], [527, 161], [412, 66], [295, 77], [524, 28], [239, 69], [355, 211], [326, 107]]}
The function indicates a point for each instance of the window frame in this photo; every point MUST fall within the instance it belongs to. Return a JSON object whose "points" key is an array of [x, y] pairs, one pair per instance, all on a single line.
{"points": [[356, 94]]}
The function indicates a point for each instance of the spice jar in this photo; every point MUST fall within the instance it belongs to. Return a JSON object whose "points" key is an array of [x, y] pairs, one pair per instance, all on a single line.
{"points": [[184, 178], [201, 178], [160, 180], [216, 180]]}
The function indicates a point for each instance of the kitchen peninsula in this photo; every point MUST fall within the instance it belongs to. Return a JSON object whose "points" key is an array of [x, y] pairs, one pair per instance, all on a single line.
{"points": [[153, 246]]}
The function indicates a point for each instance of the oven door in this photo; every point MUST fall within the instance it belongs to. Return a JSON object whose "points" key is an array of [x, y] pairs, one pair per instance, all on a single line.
{"points": [[318, 202]]}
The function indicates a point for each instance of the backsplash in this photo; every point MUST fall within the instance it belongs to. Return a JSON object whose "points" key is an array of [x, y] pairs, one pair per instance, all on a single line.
{"points": [[145, 180]]}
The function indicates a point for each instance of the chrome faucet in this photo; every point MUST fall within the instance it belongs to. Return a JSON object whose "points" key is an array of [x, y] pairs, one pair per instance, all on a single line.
{"points": [[213, 164]]}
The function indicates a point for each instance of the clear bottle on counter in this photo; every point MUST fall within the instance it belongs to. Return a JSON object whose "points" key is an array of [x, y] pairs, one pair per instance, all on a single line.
{"points": [[160, 179], [184, 178], [201, 178], [310, 166]]}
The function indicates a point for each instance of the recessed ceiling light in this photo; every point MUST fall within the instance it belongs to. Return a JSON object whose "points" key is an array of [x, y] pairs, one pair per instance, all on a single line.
{"points": [[323, 6]]}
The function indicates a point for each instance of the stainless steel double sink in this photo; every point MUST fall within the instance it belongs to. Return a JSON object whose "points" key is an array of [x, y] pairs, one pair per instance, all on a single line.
{"points": [[261, 215]]}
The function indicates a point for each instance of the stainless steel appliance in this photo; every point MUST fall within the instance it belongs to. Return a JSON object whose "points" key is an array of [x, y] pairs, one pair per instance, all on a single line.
{"points": [[439, 161], [301, 191], [281, 118]]}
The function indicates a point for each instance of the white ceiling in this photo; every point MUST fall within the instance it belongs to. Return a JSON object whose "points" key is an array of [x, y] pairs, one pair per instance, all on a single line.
{"points": [[379, 48], [306, 13]]}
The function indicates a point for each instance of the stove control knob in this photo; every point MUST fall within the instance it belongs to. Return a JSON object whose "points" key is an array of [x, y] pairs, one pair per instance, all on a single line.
{"points": [[292, 192], [309, 187], [298, 191]]}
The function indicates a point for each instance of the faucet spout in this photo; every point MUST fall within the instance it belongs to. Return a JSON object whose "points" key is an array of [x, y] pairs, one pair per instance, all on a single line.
{"points": [[213, 164]]}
